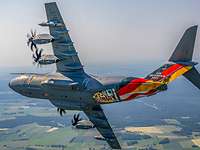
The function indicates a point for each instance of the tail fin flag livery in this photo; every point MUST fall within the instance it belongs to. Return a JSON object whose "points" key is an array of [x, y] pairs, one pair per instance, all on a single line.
{"points": [[180, 63]]}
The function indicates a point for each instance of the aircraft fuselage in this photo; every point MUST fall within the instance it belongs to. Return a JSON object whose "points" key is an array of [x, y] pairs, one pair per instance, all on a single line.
{"points": [[74, 94]]}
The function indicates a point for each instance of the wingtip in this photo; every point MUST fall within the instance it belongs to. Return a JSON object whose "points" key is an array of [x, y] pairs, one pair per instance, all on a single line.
{"points": [[194, 27], [50, 3]]}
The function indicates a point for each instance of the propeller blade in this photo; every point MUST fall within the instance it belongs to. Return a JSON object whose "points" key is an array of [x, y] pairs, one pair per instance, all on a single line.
{"points": [[78, 116], [29, 38], [57, 60], [36, 52], [60, 113], [40, 52], [33, 45], [73, 123], [34, 57], [76, 119], [73, 120], [63, 111]]}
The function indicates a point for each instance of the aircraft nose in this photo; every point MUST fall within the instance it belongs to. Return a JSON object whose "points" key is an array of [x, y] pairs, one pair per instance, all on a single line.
{"points": [[12, 84], [16, 84]]}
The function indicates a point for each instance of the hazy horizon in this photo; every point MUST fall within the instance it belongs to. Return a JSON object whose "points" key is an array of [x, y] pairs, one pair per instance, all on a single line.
{"points": [[104, 32]]}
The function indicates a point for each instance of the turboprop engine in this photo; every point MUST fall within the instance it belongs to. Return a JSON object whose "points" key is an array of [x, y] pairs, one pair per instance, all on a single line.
{"points": [[35, 39], [48, 59], [44, 59], [43, 39], [50, 24]]}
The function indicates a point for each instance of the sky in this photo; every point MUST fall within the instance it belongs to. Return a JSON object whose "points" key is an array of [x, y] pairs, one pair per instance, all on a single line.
{"points": [[103, 31]]}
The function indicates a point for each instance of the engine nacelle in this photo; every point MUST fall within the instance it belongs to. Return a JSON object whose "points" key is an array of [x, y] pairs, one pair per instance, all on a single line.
{"points": [[50, 24], [99, 137], [84, 124], [43, 39], [48, 59]]}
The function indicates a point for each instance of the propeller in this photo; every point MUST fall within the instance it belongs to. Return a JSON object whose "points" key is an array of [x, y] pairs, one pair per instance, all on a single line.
{"points": [[30, 39], [76, 119], [61, 111], [37, 55]]}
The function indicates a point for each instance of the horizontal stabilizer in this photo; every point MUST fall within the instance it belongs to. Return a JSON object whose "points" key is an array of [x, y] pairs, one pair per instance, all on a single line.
{"points": [[193, 76], [184, 49]]}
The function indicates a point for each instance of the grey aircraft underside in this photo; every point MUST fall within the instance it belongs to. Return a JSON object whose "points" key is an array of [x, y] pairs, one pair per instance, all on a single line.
{"points": [[70, 88]]}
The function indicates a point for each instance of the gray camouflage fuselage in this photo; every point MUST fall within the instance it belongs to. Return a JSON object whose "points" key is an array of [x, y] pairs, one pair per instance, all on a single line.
{"points": [[64, 92]]}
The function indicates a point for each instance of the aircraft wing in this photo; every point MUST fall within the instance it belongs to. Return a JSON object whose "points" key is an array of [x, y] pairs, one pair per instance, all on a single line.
{"points": [[98, 118], [63, 47]]}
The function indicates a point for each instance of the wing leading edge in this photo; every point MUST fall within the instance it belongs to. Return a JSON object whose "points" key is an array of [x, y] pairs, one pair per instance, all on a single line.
{"points": [[63, 47], [98, 118]]}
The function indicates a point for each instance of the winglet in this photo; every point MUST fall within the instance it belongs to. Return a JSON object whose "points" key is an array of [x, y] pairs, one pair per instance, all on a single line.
{"points": [[184, 49]]}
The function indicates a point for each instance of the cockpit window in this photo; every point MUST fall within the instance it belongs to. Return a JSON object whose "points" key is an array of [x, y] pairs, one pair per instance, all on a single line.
{"points": [[36, 80], [22, 78]]}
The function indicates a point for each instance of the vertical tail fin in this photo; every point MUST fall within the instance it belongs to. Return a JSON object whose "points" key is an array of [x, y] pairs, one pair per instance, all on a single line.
{"points": [[184, 49], [182, 61]]}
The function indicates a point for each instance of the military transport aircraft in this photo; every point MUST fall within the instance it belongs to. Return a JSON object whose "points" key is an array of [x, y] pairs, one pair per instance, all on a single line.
{"points": [[71, 88]]}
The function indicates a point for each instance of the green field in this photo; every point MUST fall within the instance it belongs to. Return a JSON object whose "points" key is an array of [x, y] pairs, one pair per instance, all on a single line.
{"points": [[32, 136]]}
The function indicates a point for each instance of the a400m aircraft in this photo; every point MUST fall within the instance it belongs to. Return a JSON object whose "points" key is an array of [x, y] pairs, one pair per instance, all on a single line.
{"points": [[71, 88]]}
